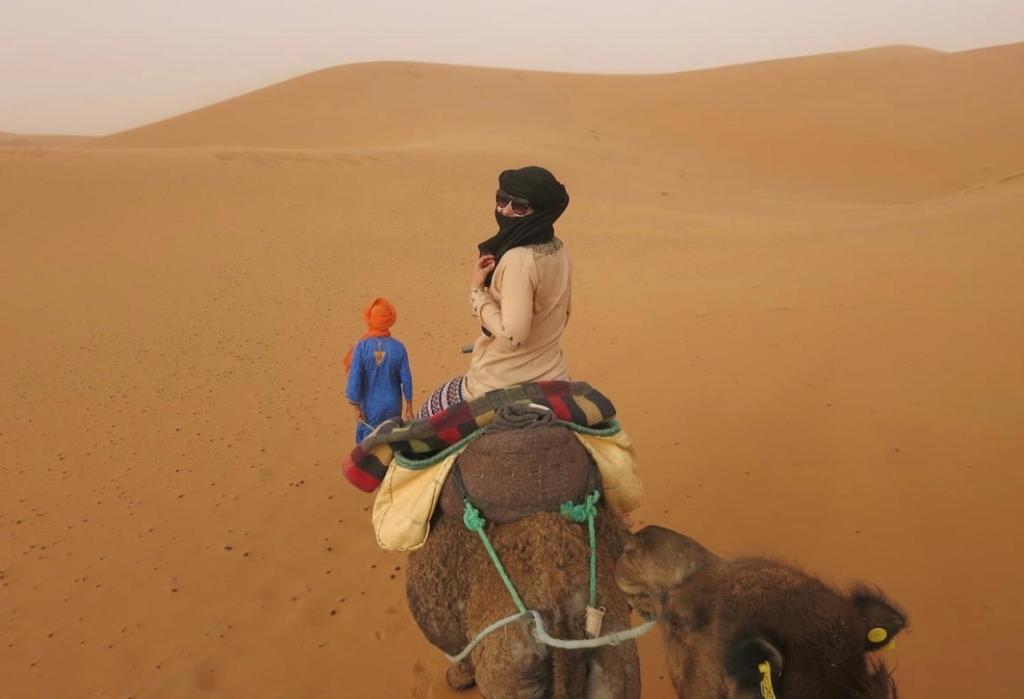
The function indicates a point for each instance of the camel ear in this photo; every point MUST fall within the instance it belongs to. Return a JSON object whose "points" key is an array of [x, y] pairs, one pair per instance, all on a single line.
{"points": [[882, 618], [746, 657], [654, 561]]}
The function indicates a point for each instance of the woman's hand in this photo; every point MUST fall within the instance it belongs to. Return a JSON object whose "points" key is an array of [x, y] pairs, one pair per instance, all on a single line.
{"points": [[408, 411], [481, 268]]}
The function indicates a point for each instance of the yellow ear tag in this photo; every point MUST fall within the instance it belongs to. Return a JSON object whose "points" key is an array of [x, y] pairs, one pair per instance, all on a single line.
{"points": [[767, 691], [878, 635]]}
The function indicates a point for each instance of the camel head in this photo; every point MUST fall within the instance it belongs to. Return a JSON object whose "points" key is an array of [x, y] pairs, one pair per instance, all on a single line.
{"points": [[726, 624]]}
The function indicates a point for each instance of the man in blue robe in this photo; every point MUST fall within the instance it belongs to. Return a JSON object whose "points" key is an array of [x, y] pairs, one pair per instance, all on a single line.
{"points": [[378, 372]]}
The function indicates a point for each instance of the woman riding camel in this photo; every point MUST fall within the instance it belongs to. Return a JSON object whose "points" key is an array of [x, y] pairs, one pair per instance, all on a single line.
{"points": [[520, 290]]}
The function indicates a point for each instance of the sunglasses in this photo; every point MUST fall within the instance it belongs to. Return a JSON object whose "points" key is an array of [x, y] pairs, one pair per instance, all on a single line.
{"points": [[519, 205]]}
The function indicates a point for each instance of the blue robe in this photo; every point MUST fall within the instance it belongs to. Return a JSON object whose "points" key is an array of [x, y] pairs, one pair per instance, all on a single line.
{"points": [[378, 387]]}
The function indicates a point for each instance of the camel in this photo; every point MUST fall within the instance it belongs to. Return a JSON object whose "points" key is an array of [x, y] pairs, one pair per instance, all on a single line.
{"points": [[519, 478], [754, 627]]}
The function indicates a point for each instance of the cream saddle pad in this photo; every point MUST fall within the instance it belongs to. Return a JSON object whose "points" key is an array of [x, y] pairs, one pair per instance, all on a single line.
{"points": [[408, 496]]}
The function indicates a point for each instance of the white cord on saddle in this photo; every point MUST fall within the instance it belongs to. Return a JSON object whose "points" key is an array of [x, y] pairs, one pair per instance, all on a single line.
{"points": [[541, 635], [609, 639], [482, 635]]}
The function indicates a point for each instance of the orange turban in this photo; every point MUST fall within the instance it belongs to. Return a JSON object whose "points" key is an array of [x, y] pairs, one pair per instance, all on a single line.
{"points": [[379, 316]]}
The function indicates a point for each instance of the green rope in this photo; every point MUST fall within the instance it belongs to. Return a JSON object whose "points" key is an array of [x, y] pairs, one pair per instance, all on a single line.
{"points": [[474, 522], [586, 512]]}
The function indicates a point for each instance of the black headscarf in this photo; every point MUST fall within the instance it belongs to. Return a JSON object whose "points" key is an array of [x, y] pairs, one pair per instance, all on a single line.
{"points": [[548, 198]]}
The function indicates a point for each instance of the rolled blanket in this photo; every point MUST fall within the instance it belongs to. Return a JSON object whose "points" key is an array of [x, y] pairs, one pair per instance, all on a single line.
{"points": [[575, 402], [519, 416]]}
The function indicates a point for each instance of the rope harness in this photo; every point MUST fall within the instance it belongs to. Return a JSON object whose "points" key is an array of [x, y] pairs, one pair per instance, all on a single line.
{"points": [[586, 512], [578, 513]]}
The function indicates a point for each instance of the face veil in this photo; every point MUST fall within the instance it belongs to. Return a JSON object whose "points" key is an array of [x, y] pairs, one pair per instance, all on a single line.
{"points": [[548, 198]]}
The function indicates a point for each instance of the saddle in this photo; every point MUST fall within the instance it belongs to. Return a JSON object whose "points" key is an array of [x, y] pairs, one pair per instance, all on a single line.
{"points": [[507, 477], [525, 461]]}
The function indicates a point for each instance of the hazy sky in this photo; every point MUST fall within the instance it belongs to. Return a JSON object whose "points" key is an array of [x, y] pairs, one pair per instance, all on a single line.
{"points": [[75, 66]]}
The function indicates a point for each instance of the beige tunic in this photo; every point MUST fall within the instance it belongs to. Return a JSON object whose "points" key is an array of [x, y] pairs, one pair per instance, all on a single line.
{"points": [[526, 309]]}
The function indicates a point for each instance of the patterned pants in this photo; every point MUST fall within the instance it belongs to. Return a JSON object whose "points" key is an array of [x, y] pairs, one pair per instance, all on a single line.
{"points": [[444, 396]]}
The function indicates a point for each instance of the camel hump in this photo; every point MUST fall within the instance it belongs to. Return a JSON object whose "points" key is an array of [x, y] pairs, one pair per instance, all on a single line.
{"points": [[520, 466]]}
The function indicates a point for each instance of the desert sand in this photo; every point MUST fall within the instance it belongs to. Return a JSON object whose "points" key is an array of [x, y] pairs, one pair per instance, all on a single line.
{"points": [[800, 281]]}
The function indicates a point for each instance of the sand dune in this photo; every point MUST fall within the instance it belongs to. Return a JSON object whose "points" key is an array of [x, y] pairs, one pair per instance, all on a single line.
{"points": [[799, 280], [18, 140], [890, 125]]}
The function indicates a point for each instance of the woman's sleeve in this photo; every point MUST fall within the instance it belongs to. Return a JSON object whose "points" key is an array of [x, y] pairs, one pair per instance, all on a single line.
{"points": [[354, 385], [511, 321]]}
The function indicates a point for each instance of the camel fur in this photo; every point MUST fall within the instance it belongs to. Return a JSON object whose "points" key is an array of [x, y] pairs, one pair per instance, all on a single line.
{"points": [[454, 590], [722, 620]]}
